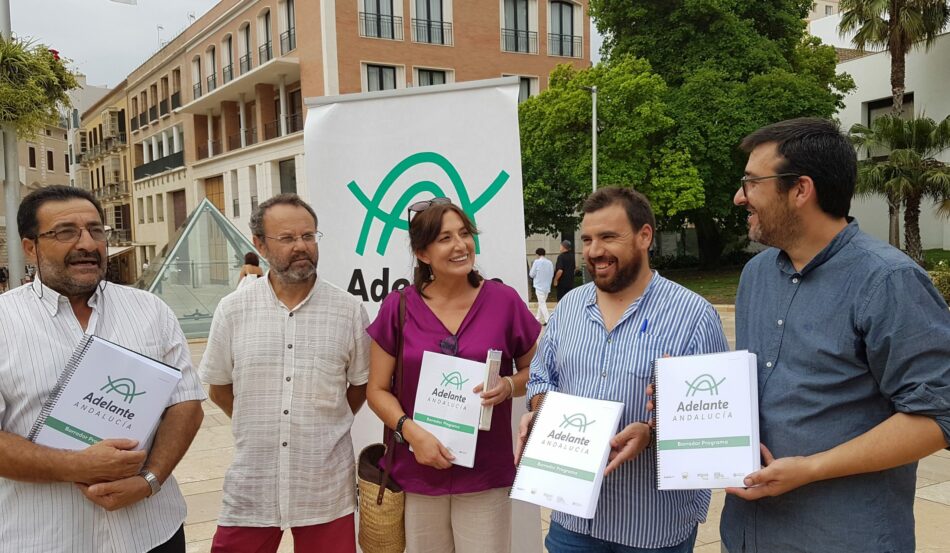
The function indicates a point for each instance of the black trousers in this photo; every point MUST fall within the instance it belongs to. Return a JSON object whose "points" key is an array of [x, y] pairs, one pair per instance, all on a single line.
{"points": [[174, 545]]}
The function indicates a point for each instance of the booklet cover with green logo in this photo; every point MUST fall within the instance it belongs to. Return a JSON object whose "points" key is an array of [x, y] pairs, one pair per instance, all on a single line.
{"points": [[562, 466], [447, 407], [707, 420], [105, 392]]}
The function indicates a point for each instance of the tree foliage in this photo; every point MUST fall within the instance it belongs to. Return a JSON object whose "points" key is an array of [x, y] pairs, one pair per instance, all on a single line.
{"points": [[634, 149], [33, 85], [731, 66]]}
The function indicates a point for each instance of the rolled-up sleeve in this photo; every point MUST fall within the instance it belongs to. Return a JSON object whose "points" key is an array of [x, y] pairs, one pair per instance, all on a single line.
{"points": [[217, 363], [357, 370], [907, 335]]}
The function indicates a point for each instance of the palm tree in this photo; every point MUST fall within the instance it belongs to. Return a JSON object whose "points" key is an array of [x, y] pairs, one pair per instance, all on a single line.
{"points": [[910, 171], [897, 25]]}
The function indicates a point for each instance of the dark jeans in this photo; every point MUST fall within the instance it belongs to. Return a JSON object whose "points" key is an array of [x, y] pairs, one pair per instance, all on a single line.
{"points": [[174, 545], [562, 540]]}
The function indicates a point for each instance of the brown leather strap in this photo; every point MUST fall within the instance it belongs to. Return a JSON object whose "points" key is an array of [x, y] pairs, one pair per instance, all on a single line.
{"points": [[388, 435]]}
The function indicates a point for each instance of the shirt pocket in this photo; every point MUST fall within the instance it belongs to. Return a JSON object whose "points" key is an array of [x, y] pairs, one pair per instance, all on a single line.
{"points": [[321, 373], [644, 350]]}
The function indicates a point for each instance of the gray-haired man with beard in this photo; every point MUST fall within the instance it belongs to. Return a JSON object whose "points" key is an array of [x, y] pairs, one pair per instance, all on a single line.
{"points": [[287, 359], [113, 495]]}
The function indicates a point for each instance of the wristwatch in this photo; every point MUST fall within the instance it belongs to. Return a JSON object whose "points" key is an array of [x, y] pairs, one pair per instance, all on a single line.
{"points": [[397, 434], [152, 480]]}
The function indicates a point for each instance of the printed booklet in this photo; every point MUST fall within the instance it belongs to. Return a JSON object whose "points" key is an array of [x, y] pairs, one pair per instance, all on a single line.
{"points": [[707, 420], [562, 465]]}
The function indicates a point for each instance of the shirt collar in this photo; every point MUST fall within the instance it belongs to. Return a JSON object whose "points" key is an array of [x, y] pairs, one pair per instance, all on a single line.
{"points": [[276, 300], [840, 240], [594, 312], [52, 301]]}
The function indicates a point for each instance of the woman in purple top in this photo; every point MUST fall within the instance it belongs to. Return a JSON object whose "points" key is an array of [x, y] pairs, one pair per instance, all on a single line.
{"points": [[451, 309]]}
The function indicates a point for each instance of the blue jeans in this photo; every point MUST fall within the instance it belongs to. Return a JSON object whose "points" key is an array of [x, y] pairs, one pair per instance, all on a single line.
{"points": [[562, 540]]}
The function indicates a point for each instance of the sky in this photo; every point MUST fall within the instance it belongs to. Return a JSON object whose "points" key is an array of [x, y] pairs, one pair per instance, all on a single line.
{"points": [[107, 40]]}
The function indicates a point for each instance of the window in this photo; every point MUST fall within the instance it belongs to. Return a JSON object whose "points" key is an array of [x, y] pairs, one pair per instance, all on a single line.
{"points": [[515, 35], [66, 162], [430, 77], [159, 208], [288, 39], [49, 160], [245, 45], [265, 51], [561, 39], [829, 10], [212, 69], [380, 77], [428, 25], [377, 20], [288, 176], [235, 195], [151, 209], [196, 76], [524, 92], [227, 71], [141, 210], [32, 157]]}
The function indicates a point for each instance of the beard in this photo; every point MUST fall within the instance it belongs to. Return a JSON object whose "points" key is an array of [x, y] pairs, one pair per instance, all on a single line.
{"points": [[57, 278], [293, 272], [778, 229], [624, 276]]}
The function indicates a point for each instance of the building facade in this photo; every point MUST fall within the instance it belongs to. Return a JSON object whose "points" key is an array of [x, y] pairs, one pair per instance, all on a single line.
{"points": [[822, 8], [218, 112]]}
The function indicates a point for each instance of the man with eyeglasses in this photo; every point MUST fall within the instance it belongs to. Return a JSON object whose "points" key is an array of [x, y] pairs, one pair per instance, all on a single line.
{"points": [[853, 346], [114, 495], [288, 359]]}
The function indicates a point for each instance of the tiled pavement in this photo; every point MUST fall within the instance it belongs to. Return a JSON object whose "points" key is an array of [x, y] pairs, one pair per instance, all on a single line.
{"points": [[201, 474]]}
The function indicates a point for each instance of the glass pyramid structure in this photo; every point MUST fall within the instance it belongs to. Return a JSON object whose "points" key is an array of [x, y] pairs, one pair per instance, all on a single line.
{"points": [[199, 266]]}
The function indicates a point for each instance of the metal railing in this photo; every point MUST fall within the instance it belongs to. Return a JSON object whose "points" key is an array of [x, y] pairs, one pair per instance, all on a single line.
{"points": [[245, 63], [432, 32], [120, 236], [295, 122], [171, 161], [271, 129], [115, 142], [234, 141], [134, 123], [250, 136], [227, 73], [163, 107], [374, 25], [569, 46], [212, 82], [196, 91], [288, 41], [265, 53], [514, 40], [115, 190], [143, 119], [176, 100], [203, 151]]}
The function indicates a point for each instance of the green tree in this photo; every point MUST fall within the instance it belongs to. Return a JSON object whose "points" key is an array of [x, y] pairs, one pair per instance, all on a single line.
{"points": [[732, 66], [910, 171], [633, 144], [33, 85]]}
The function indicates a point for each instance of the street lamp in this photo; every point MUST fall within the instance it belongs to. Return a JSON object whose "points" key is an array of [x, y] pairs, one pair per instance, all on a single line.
{"points": [[11, 173]]}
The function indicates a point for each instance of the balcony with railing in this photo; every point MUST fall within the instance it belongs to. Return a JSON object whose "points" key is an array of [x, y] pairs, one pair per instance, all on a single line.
{"points": [[176, 100], [271, 130], [120, 237], [196, 91], [134, 123], [432, 32], [212, 82], [227, 73], [568, 46], [265, 53], [374, 25], [171, 161], [114, 143], [153, 113], [115, 191], [245, 63], [163, 107], [288, 41], [515, 40], [206, 150], [143, 119], [294, 122]]}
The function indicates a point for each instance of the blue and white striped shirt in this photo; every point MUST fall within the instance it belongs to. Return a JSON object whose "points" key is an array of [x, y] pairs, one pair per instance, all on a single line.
{"points": [[578, 356]]}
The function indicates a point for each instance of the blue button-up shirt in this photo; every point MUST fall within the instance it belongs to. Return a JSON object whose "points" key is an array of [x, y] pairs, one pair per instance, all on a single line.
{"points": [[578, 356], [857, 335]]}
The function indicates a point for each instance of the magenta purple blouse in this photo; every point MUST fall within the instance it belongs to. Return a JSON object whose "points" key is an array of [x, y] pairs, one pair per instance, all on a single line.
{"points": [[498, 319]]}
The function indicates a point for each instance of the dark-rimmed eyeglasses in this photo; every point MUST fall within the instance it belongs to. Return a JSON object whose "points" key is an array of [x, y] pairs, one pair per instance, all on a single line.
{"points": [[307, 238], [743, 182], [70, 235], [423, 205], [450, 345]]}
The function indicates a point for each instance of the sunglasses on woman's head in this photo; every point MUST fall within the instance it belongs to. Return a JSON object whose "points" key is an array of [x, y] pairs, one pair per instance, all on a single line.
{"points": [[423, 205]]}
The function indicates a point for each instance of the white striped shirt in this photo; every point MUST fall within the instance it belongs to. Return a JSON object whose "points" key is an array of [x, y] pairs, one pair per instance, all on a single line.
{"points": [[37, 336], [578, 356], [293, 456]]}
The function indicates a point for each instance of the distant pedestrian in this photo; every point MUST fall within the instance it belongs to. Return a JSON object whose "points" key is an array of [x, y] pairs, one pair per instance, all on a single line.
{"points": [[564, 269], [4, 277], [251, 269], [542, 273]]}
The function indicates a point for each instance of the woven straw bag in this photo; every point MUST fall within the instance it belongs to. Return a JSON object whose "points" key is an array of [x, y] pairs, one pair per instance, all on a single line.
{"points": [[382, 514]]}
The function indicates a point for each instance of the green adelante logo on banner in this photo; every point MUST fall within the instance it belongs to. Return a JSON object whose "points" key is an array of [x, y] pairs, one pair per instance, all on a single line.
{"points": [[124, 387], [703, 383], [395, 219], [577, 420]]}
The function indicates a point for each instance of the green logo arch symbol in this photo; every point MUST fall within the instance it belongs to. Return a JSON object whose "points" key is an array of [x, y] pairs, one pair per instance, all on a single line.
{"points": [[577, 420], [125, 387], [393, 220], [454, 379], [704, 383]]}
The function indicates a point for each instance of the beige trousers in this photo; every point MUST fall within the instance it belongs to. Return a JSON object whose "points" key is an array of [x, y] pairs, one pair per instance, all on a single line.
{"points": [[461, 523]]}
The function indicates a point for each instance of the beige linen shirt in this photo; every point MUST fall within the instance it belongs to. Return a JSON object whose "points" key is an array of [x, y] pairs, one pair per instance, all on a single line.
{"points": [[38, 333], [293, 457]]}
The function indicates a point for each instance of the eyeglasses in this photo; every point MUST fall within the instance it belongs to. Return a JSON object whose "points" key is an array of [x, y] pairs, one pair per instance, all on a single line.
{"points": [[747, 179], [307, 238], [69, 235], [423, 205], [450, 345]]}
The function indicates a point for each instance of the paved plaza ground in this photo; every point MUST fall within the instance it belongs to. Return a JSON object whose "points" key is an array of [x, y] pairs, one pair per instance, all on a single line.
{"points": [[201, 474]]}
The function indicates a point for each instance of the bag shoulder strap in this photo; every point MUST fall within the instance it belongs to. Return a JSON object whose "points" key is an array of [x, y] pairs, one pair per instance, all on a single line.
{"points": [[389, 435]]}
